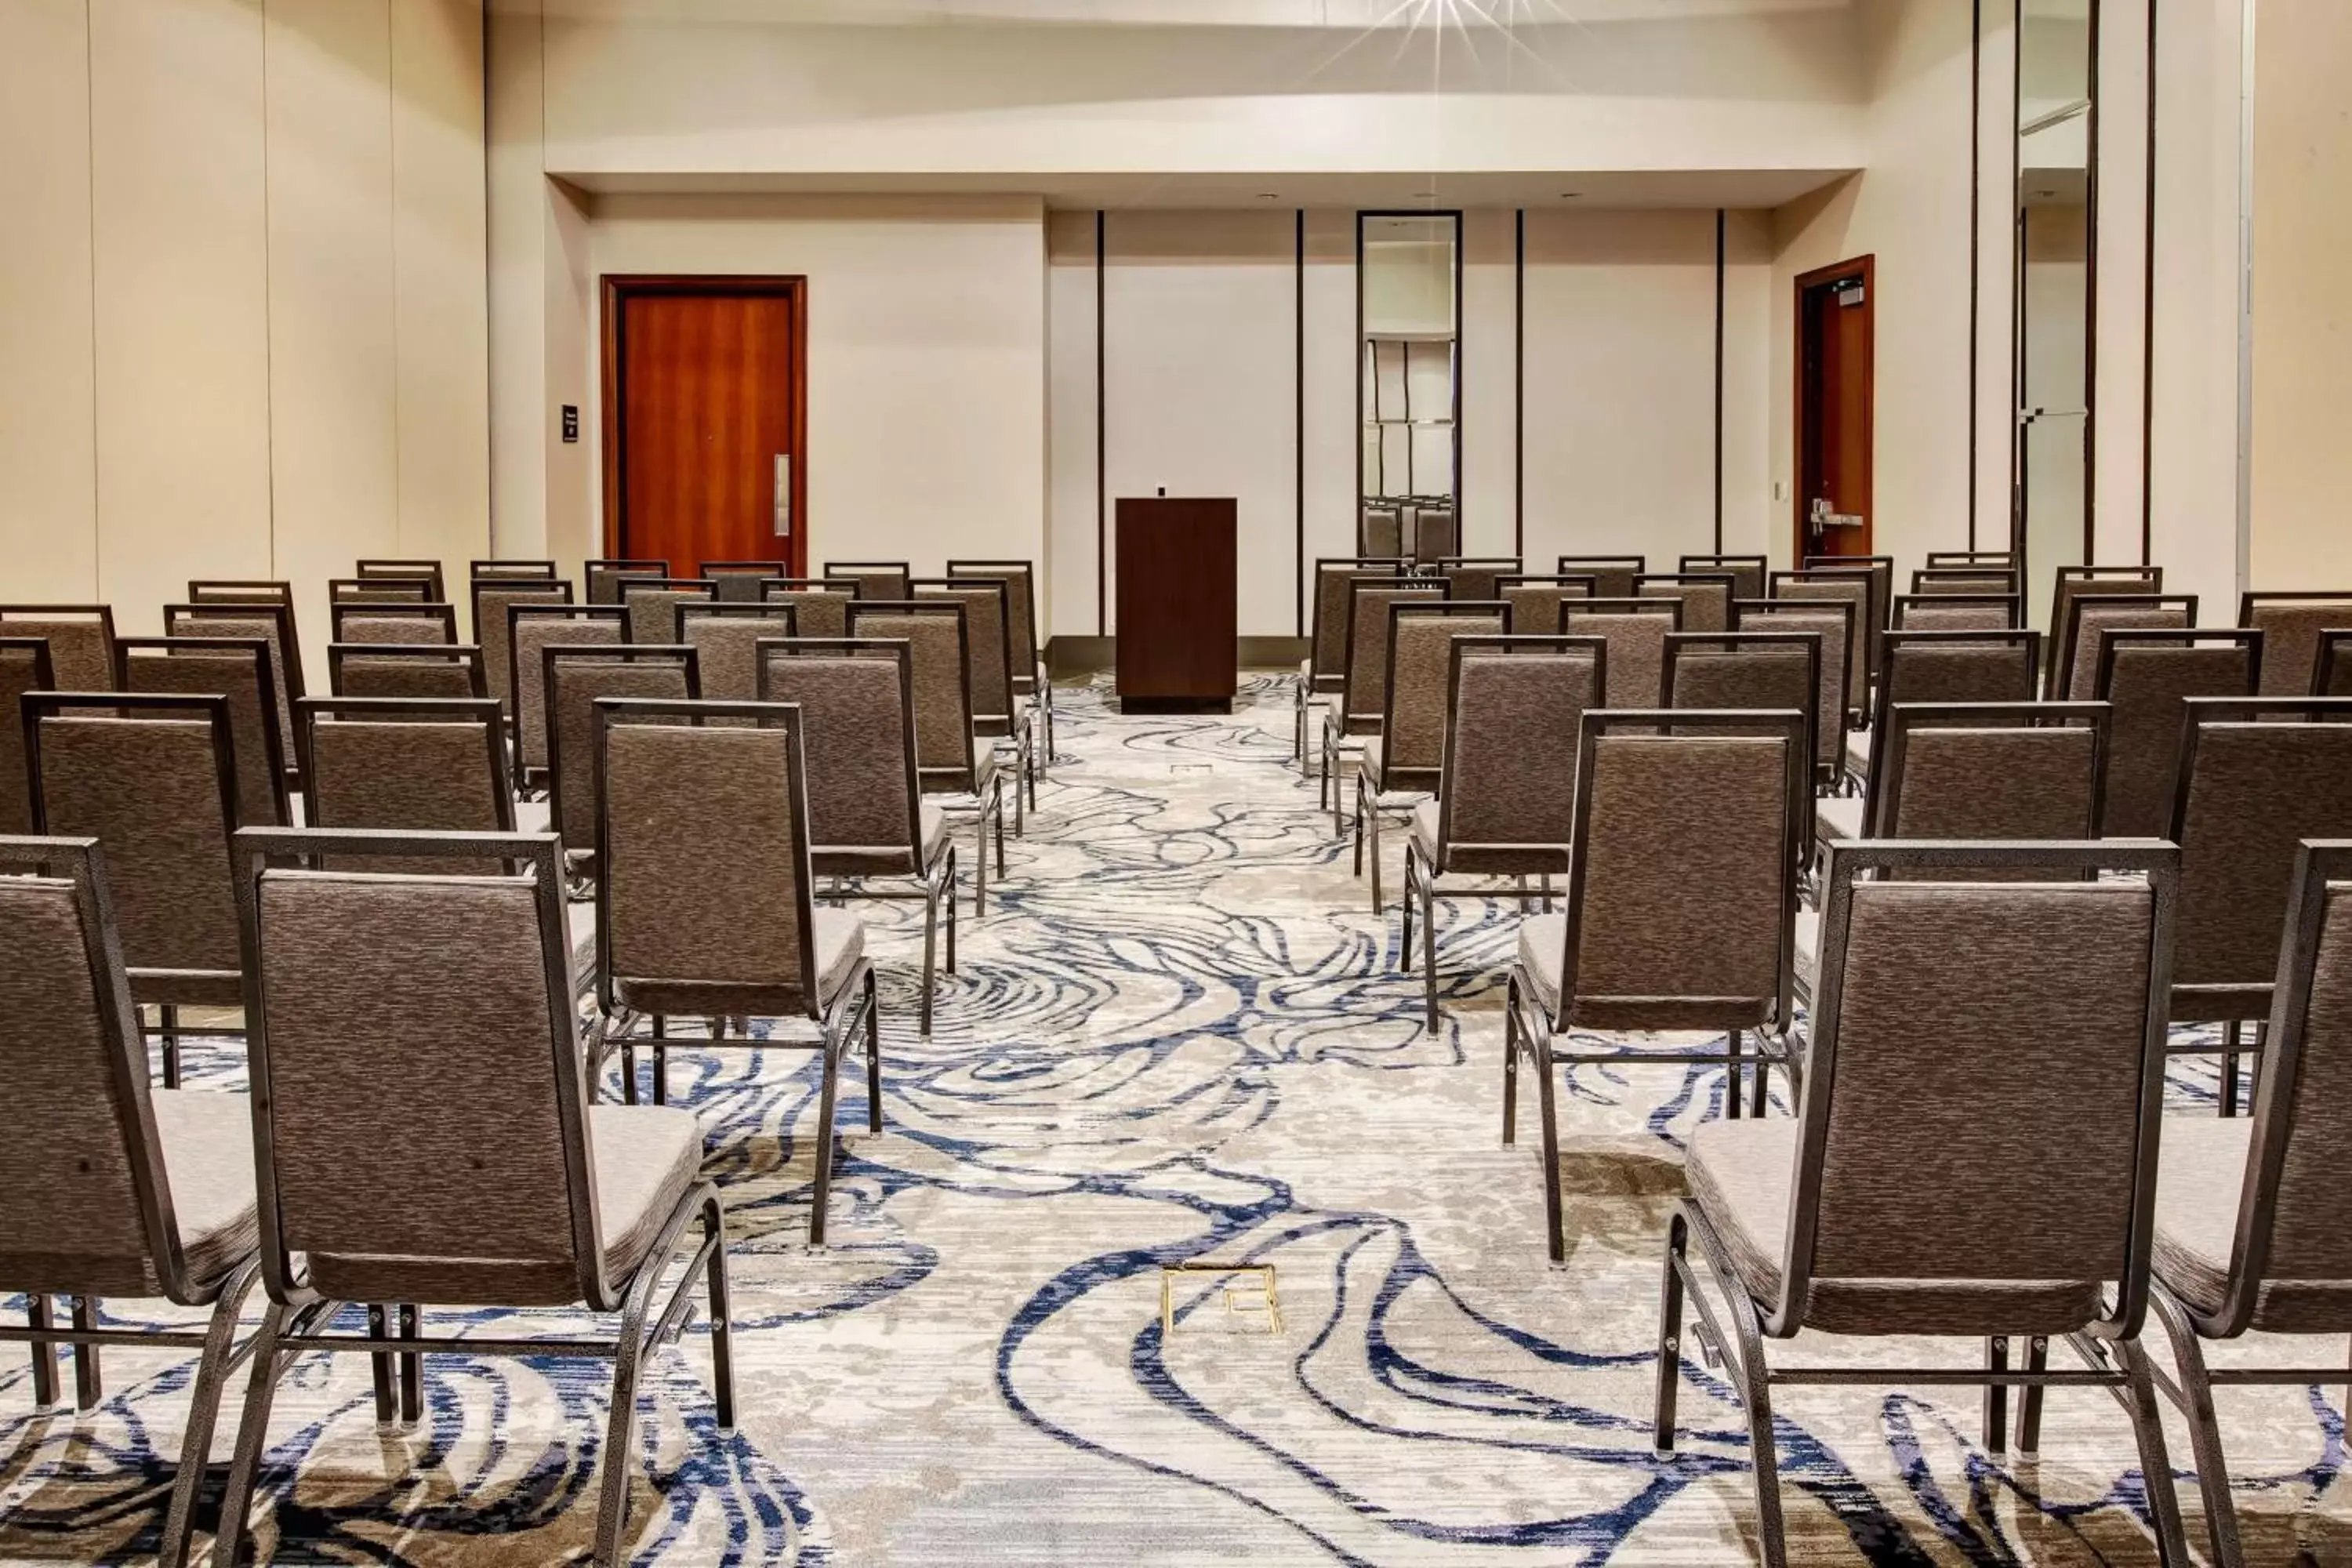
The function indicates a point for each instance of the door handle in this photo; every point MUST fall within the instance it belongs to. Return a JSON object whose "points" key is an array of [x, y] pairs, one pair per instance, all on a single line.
{"points": [[783, 495]]}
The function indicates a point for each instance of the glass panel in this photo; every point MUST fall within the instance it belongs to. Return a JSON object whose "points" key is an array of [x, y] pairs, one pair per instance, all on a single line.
{"points": [[2055, 299], [1410, 367]]}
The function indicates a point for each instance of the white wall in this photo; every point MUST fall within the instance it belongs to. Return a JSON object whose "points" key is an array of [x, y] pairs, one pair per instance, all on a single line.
{"points": [[242, 318]]}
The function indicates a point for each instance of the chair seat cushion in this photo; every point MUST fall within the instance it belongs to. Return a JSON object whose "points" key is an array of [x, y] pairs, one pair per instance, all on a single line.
{"points": [[1516, 860], [647, 1157], [208, 1141], [1808, 955], [2200, 1176], [1857, 753], [840, 943], [1838, 817], [1543, 947], [883, 859]]}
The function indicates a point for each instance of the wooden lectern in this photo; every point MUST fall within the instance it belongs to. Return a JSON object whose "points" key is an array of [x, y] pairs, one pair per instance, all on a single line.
{"points": [[1177, 646]]}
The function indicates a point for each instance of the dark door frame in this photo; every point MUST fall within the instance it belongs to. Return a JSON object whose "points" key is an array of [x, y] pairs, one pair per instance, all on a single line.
{"points": [[1865, 268], [617, 289]]}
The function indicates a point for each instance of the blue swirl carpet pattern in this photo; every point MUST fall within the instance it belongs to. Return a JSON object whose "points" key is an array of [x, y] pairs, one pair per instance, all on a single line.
{"points": [[1181, 1034]]}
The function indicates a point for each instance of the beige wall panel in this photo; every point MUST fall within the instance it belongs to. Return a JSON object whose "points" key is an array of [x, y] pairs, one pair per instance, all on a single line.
{"points": [[2123, 272], [48, 470], [1076, 474], [1749, 513], [1488, 382], [575, 528], [1620, 383], [516, 228], [182, 365], [1332, 440], [441, 309]]}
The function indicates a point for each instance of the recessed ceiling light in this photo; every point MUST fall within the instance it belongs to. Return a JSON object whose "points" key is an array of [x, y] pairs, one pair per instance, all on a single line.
{"points": [[1570, 195], [1269, 195]]}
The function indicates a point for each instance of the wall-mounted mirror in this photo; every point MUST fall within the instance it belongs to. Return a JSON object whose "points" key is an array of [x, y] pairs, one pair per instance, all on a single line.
{"points": [[2057, 291], [1409, 382]]}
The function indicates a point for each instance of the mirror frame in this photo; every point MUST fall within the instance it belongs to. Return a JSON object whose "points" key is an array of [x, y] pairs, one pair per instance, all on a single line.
{"points": [[1453, 214]]}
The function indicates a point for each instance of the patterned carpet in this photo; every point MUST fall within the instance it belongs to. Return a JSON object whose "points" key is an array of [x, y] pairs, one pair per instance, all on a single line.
{"points": [[1180, 1034]]}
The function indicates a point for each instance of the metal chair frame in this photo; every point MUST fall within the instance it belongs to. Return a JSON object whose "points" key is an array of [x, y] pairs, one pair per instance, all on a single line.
{"points": [[466, 654], [1370, 790], [986, 808]]}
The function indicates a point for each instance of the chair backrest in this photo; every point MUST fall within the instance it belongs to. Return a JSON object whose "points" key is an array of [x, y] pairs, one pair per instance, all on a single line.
{"points": [[24, 667], [1989, 771], [153, 778], [885, 580], [1750, 671], [1857, 585], [576, 675], [2071, 583], [728, 636], [414, 764], [856, 697], [1968, 582], [2331, 674], [272, 621], [2291, 625], [2040, 1182], [1364, 691], [2075, 669], [1955, 667], [1476, 576], [410, 669], [2257, 777], [532, 631], [703, 902], [377, 622], [1612, 576], [1436, 533], [935, 634], [1831, 620], [605, 577], [987, 641], [1335, 580], [1508, 792], [820, 604], [236, 668], [510, 571], [1963, 558], [384, 589], [1637, 630], [240, 591], [483, 1132], [1417, 688], [1705, 596], [2291, 1254], [653, 605], [1929, 612], [1677, 811], [2145, 676], [1381, 531], [1882, 580], [1747, 572], [403, 571], [494, 630], [80, 640], [90, 1210], [1535, 602], [1020, 579], [738, 581]]}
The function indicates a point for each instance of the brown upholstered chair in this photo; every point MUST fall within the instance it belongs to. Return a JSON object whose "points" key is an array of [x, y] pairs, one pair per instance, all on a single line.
{"points": [[573, 676], [1506, 802], [387, 589], [270, 620], [236, 668], [2144, 677], [876, 579], [2074, 642], [1363, 690], [533, 629], [1882, 583], [948, 760], [1379, 532], [2023, 1212], [2331, 673], [407, 669], [24, 667], [153, 778], [738, 581], [605, 577], [682, 932], [2292, 625], [1937, 581], [820, 604], [1705, 596], [513, 1190], [1476, 576], [240, 591], [406, 764], [1705, 815], [410, 570], [1859, 585], [1636, 630], [1030, 679], [1750, 670], [1324, 674], [1537, 603], [867, 818], [511, 571], [1436, 533], [1956, 612], [1833, 621], [999, 714], [653, 604], [494, 628], [1748, 572], [1953, 666], [2072, 582], [1612, 576], [1402, 762], [376, 621], [115, 1189], [1962, 559], [80, 640], [2250, 1231], [728, 635], [2258, 776]]}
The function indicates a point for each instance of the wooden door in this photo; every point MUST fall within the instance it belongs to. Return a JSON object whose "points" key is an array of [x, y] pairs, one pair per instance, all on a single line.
{"points": [[705, 420], [1834, 351]]}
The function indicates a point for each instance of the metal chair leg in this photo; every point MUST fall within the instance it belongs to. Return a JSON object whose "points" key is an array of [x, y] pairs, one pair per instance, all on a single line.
{"points": [[620, 1455], [2155, 1467], [873, 1058], [947, 887], [204, 1412], [824, 1138], [1428, 944], [722, 1328], [930, 958], [1405, 943], [45, 1354], [270, 1362], [89, 1382], [661, 1060], [1670, 1338], [379, 1366], [2196, 1401], [412, 1368], [1510, 1061], [168, 1017], [2229, 1041], [2029, 1399], [1555, 1230], [1735, 1079], [1995, 1436]]}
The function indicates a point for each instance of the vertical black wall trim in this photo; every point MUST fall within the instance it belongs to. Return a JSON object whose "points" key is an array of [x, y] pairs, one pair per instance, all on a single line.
{"points": [[2090, 308], [1102, 480], [1298, 424], [1719, 222], [2016, 225], [1519, 383], [2148, 325], [1976, 238]]}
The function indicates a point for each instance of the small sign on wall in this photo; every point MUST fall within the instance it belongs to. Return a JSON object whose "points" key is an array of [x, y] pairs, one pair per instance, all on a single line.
{"points": [[571, 422]]}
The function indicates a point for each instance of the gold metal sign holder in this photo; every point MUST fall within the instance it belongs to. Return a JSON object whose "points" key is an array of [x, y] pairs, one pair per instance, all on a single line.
{"points": [[1239, 1299]]}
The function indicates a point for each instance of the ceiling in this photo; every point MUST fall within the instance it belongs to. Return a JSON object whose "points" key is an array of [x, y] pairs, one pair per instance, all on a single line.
{"points": [[1352, 16]]}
